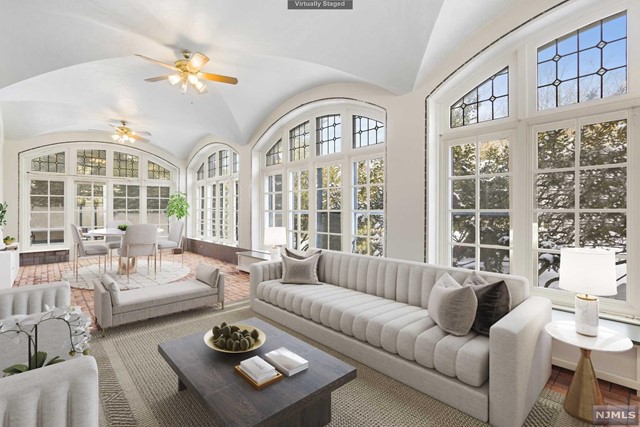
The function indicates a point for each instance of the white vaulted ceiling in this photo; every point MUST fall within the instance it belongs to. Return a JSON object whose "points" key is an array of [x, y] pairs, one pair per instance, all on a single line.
{"points": [[69, 65]]}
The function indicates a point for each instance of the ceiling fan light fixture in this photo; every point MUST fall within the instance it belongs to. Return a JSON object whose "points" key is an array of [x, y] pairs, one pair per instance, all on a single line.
{"points": [[201, 87], [115, 137], [174, 79], [183, 87], [193, 79]]}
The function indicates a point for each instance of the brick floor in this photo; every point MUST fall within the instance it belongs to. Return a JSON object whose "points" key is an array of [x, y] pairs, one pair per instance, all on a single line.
{"points": [[236, 282], [613, 394]]}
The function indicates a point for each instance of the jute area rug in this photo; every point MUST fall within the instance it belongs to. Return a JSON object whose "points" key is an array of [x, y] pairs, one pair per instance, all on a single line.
{"points": [[137, 387], [87, 276]]}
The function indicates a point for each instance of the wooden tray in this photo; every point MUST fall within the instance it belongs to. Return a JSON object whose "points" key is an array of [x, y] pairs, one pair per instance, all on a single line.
{"points": [[255, 385]]}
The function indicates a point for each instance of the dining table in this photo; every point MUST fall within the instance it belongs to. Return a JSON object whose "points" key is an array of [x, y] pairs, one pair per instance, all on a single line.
{"points": [[110, 232]]}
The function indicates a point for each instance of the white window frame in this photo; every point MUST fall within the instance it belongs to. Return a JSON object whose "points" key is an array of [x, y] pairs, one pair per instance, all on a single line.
{"points": [[71, 177], [519, 52], [214, 217], [345, 158]]}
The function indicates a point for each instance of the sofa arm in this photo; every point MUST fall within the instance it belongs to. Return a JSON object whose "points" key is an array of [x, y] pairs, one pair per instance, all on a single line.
{"points": [[261, 271], [102, 306], [32, 299], [65, 394], [519, 361]]}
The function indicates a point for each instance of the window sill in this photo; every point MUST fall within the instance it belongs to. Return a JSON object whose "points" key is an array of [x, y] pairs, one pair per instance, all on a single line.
{"points": [[626, 328]]}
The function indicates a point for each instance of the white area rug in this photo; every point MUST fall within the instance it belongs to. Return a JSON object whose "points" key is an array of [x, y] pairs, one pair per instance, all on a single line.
{"points": [[88, 276]]}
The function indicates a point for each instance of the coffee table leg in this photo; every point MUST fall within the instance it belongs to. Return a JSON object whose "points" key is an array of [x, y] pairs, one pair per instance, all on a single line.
{"points": [[584, 391], [181, 385], [316, 414]]}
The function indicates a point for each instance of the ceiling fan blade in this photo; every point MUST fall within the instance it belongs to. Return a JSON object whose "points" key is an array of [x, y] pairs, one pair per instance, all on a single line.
{"points": [[218, 78], [198, 60], [98, 130], [143, 132], [156, 79], [158, 62], [139, 138]]}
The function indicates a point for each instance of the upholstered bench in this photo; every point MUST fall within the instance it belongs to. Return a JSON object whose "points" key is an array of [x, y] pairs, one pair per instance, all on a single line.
{"points": [[114, 307]]}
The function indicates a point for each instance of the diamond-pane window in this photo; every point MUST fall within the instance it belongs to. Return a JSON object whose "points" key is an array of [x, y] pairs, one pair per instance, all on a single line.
{"points": [[274, 155], [200, 173], [125, 165], [155, 171], [487, 101], [586, 64], [50, 163], [92, 162], [367, 132], [328, 135], [299, 142]]}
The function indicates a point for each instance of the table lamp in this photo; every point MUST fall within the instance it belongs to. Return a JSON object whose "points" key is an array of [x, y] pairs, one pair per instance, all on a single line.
{"points": [[588, 272], [274, 237]]}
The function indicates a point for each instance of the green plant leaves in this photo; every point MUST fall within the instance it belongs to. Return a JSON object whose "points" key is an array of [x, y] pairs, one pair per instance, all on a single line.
{"points": [[38, 360]]}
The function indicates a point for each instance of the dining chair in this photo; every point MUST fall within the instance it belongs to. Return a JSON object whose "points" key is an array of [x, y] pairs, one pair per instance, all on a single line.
{"points": [[113, 242], [82, 249], [139, 240], [173, 241]]}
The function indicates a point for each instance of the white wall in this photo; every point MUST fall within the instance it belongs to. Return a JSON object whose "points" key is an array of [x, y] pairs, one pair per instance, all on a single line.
{"points": [[1, 158]]}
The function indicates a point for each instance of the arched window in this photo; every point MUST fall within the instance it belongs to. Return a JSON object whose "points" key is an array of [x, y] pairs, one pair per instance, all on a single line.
{"points": [[331, 196], [216, 195], [90, 184], [556, 171]]}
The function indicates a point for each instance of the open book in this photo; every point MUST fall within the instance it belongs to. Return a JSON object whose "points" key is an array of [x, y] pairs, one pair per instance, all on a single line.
{"points": [[286, 361]]}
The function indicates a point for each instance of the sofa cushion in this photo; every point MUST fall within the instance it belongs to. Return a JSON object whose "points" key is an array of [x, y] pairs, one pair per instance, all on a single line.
{"points": [[296, 254], [112, 287], [452, 306], [300, 271], [398, 328], [208, 274], [493, 304], [153, 296]]}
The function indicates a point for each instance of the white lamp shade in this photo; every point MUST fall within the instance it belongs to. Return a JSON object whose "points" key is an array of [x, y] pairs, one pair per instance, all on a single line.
{"points": [[275, 236], [588, 271]]}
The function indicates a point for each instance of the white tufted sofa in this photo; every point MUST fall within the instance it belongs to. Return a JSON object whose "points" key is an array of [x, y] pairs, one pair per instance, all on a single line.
{"points": [[62, 395], [374, 310]]}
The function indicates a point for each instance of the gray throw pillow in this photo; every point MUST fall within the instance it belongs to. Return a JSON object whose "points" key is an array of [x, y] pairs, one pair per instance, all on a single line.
{"points": [[208, 274], [494, 301], [113, 288], [300, 271], [292, 253], [452, 306]]}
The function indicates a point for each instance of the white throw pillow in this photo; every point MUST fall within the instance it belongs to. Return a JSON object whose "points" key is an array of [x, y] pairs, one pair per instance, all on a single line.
{"points": [[452, 306], [113, 288], [208, 274], [300, 271]]}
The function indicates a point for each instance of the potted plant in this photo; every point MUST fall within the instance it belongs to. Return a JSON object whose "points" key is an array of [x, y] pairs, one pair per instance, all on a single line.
{"points": [[178, 206]]}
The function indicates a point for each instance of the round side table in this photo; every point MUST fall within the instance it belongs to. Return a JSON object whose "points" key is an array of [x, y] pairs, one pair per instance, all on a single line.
{"points": [[584, 391]]}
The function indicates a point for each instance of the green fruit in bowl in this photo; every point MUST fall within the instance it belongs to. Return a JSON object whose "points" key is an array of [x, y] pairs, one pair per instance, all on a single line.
{"points": [[123, 227]]}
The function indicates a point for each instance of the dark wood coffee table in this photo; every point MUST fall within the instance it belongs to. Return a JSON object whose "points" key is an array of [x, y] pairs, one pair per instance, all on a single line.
{"points": [[301, 400]]}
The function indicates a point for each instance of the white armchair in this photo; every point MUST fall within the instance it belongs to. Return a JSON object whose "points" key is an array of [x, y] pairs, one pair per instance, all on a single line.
{"points": [[61, 395], [28, 300]]}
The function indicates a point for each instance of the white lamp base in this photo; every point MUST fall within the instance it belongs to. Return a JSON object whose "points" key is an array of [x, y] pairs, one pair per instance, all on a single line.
{"points": [[587, 315], [275, 254]]}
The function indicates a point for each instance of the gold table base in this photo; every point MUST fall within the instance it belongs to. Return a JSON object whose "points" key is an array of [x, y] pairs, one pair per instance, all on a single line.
{"points": [[584, 391], [122, 265]]}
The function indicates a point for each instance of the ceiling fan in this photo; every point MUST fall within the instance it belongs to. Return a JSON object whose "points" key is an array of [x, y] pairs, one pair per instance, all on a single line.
{"points": [[123, 133], [187, 72]]}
